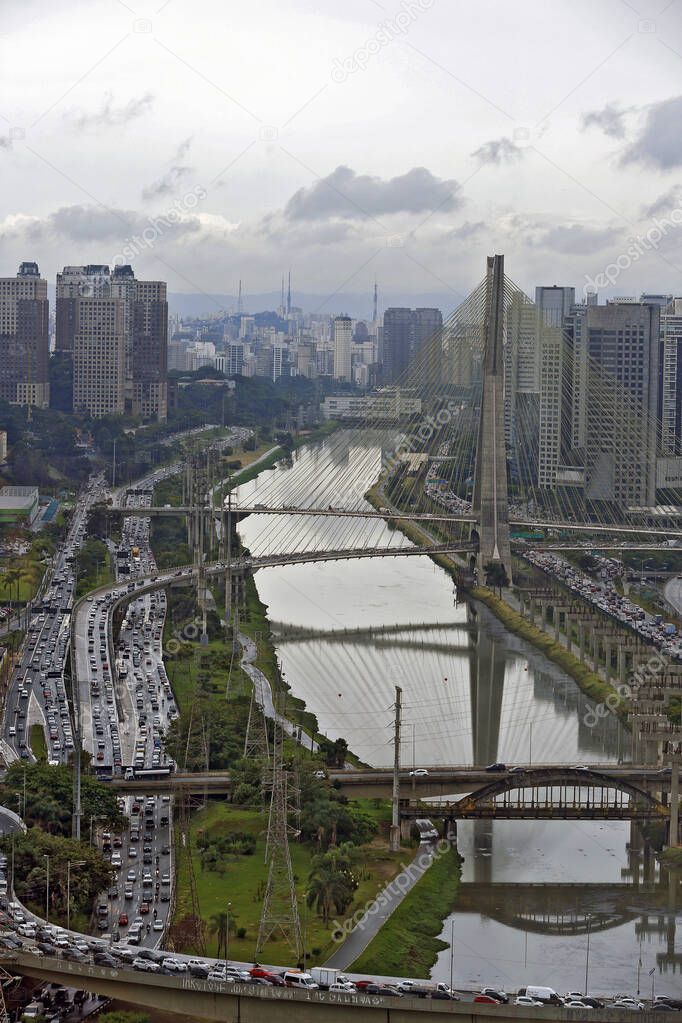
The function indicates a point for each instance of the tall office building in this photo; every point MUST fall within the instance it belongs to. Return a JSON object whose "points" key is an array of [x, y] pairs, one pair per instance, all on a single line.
{"points": [[622, 402], [143, 321], [343, 339], [396, 343], [555, 378], [671, 378], [24, 338], [405, 332]]}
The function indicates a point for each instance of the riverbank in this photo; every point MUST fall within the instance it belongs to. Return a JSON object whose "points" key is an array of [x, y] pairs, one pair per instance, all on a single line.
{"points": [[408, 943]]}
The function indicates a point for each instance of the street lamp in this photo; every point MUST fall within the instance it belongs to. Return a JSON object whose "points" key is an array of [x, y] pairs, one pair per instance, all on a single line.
{"points": [[227, 934], [75, 863], [587, 952], [47, 889]]}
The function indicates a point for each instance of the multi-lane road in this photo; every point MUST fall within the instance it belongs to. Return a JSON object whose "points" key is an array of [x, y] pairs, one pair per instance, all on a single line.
{"points": [[36, 692]]}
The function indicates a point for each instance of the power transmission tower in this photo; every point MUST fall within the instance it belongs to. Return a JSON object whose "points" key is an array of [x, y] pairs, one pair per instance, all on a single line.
{"points": [[256, 743], [197, 937], [279, 914], [6, 979]]}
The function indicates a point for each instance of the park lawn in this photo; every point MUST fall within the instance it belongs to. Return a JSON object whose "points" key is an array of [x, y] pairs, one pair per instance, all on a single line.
{"points": [[244, 879], [184, 668], [37, 742]]}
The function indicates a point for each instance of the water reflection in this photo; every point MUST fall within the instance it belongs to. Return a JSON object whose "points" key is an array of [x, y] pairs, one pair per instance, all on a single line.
{"points": [[347, 633]]}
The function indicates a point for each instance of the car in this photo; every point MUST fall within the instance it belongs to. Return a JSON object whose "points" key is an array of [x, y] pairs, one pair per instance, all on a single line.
{"points": [[626, 1002], [144, 907], [28, 930], [122, 919], [497, 993], [199, 962], [382, 989], [158, 924], [217, 974], [487, 1000], [419, 772], [146, 965], [175, 965], [496, 768], [575, 1003]]}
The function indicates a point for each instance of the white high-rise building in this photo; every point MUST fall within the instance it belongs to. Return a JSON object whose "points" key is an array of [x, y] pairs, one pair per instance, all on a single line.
{"points": [[343, 341], [99, 351]]}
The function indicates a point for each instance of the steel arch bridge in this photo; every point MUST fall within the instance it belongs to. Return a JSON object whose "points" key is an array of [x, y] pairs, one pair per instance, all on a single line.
{"points": [[557, 794]]}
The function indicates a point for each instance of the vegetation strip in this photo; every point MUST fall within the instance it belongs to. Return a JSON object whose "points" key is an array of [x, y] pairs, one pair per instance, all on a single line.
{"points": [[408, 943]]}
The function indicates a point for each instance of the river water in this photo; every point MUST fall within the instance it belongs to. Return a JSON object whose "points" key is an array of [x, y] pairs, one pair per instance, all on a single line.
{"points": [[349, 632]]}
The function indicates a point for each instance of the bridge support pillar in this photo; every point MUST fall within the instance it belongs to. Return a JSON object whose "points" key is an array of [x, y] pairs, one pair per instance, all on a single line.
{"points": [[674, 832], [557, 623], [581, 641]]}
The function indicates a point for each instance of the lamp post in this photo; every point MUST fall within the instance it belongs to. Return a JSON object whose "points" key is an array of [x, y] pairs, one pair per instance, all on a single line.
{"points": [[70, 863], [587, 951], [47, 890], [452, 952], [227, 934]]}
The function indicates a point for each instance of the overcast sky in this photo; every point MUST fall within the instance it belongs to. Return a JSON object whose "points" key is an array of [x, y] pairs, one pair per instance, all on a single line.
{"points": [[346, 140]]}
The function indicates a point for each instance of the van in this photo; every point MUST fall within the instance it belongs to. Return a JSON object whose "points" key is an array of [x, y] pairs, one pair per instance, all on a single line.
{"points": [[296, 978], [546, 995]]}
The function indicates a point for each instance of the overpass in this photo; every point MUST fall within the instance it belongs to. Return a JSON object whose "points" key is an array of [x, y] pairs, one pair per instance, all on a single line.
{"points": [[439, 783], [527, 522], [251, 1003]]}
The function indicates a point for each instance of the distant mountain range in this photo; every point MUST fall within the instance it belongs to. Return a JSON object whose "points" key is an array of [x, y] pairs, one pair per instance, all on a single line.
{"points": [[359, 305]]}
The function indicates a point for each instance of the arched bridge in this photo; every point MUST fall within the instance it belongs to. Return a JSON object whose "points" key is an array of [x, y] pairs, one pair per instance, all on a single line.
{"points": [[551, 793]]}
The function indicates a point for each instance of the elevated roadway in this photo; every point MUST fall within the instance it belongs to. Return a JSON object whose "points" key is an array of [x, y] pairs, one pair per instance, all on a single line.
{"points": [[439, 783], [247, 1003]]}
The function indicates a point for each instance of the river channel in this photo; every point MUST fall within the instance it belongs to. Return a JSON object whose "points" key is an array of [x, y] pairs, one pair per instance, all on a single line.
{"points": [[532, 891]]}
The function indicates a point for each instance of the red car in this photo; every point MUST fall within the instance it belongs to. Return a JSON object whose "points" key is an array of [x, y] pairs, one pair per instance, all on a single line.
{"points": [[487, 1000], [361, 984], [144, 907], [122, 919], [260, 973]]}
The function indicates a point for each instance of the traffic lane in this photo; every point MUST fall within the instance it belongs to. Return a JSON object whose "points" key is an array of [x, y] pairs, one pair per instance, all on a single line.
{"points": [[159, 844]]}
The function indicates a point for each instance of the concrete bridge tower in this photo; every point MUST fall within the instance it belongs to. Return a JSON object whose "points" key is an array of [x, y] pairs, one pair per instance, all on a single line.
{"points": [[491, 494]]}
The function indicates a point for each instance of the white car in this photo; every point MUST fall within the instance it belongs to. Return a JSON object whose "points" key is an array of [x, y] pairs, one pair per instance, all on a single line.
{"points": [[419, 772], [220, 975], [193, 962], [575, 1003], [527, 1001], [626, 1002], [343, 986], [28, 930], [145, 965], [177, 965]]}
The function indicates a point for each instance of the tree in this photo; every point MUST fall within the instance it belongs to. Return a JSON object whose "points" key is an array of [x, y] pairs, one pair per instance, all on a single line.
{"points": [[496, 575], [332, 882]]}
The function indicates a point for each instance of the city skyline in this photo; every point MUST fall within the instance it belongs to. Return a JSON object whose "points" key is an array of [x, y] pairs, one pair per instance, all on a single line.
{"points": [[214, 177]]}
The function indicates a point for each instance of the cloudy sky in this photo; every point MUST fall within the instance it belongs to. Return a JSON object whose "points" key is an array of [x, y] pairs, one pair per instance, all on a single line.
{"points": [[213, 140]]}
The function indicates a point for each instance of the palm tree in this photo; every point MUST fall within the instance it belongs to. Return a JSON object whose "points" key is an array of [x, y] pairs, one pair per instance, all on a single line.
{"points": [[218, 925]]}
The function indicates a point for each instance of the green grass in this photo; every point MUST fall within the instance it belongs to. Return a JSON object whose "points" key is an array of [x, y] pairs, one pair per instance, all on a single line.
{"points": [[671, 857], [37, 742], [408, 942], [243, 878]]}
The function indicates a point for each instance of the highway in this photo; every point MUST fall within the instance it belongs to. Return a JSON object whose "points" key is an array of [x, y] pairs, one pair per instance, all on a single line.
{"points": [[36, 693]]}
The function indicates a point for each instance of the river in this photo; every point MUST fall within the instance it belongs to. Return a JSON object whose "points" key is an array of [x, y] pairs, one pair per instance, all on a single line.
{"points": [[472, 693]]}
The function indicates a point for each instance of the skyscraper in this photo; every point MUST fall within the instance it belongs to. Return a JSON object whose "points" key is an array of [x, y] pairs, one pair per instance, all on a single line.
{"points": [[622, 403], [671, 378], [143, 322], [24, 338], [405, 332], [343, 335]]}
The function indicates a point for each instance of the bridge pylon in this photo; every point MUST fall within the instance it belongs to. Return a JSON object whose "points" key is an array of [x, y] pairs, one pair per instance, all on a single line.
{"points": [[490, 503]]}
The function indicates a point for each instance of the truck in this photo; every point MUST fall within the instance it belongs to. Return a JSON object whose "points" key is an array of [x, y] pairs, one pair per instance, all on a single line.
{"points": [[324, 977], [669, 629], [135, 552], [419, 989]]}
